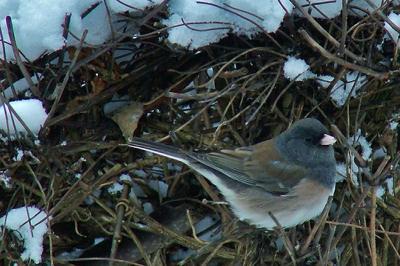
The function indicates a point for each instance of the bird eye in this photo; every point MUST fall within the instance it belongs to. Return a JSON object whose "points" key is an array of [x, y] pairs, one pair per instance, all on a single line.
{"points": [[309, 139]]}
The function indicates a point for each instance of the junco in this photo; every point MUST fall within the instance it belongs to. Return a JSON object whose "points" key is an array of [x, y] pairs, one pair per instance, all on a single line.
{"points": [[290, 176]]}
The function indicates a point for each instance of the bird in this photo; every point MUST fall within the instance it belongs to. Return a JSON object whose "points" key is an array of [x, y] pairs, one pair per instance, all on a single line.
{"points": [[283, 181]]}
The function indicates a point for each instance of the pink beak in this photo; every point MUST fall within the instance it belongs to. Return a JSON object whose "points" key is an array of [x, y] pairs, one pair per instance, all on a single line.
{"points": [[327, 140]]}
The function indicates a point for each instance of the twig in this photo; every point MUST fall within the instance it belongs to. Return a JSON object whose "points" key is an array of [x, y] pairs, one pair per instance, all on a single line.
{"points": [[286, 241], [60, 89], [320, 222], [341, 61], [34, 89], [326, 34], [245, 18], [372, 226]]}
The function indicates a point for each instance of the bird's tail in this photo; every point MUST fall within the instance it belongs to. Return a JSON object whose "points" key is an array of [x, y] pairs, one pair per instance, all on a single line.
{"points": [[160, 149]]}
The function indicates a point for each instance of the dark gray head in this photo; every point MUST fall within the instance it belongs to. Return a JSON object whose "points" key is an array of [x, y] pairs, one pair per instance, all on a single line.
{"points": [[308, 143]]}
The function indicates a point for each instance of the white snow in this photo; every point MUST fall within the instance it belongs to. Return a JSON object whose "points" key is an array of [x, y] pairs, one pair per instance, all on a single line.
{"points": [[115, 188], [20, 154], [330, 9], [393, 125], [160, 186], [379, 153], [366, 152], [321, 8], [139, 173], [136, 191], [148, 208], [125, 177], [19, 86], [206, 230], [89, 200], [395, 18], [194, 24], [38, 25], [297, 69], [17, 220], [342, 90], [115, 103], [73, 254], [394, 121], [122, 6], [360, 5], [30, 111], [5, 180], [181, 254], [325, 80], [359, 139], [118, 186], [380, 192], [341, 172]]}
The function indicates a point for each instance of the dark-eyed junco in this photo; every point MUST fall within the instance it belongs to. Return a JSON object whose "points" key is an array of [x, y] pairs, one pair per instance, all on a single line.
{"points": [[290, 176]]}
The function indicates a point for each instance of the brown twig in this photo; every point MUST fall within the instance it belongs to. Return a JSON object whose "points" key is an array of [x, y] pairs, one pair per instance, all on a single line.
{"points": [[340, 61], [27, 76]]}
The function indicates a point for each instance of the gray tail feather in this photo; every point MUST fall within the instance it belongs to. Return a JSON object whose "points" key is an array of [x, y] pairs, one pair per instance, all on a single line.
{"points": [[159, 148]]}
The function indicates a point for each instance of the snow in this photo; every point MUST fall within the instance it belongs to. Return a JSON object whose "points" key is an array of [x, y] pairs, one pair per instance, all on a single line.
{"points": [[30, 111], [194, 24], [181, 254], [341, 172], [297, 69], [393, 125], [20, 86], [325, 80], [125, 177], [89, 200], [136, 191], [5, 180], [117, 187], [17, 221], [330, 9], [38, 25], [210, 72], [115, 103], [139, 173], [77, 252], [148, 208], [73, 254], [159, 186], [391, 31], [117, 6], [379, 153], [362, 4], [380, 192], [342, 90], [206, 230], [394, 121], [20, 154], [359, 139], [321, 8]]}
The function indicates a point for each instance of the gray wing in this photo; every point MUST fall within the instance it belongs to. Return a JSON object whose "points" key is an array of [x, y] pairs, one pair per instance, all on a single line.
{"points": [[245, 165]]}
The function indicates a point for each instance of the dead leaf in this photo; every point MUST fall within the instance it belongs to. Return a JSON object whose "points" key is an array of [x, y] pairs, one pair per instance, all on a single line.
{"points": [[127, 118]]}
